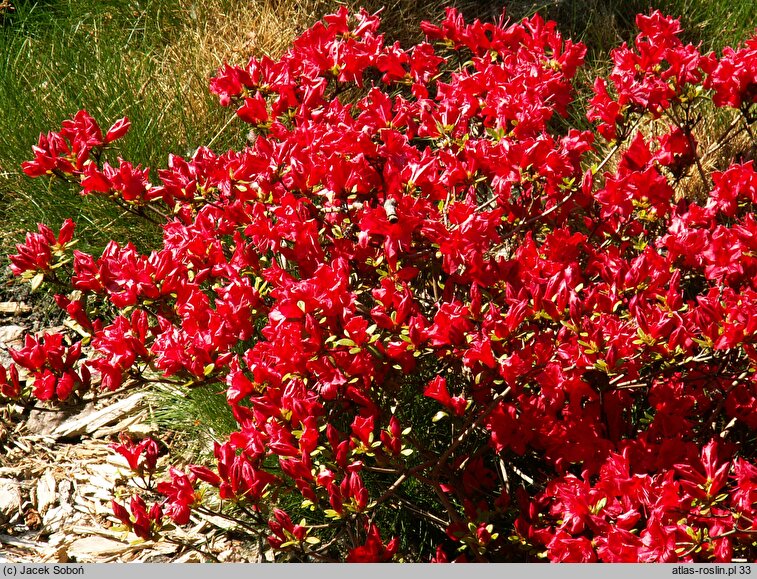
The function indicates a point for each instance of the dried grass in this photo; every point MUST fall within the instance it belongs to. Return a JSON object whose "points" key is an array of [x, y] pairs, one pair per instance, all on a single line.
{"points": [[232, 31]]}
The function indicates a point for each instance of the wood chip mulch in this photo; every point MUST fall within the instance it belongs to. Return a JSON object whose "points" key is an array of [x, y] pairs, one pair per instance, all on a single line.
{"points": [[58, 477]]}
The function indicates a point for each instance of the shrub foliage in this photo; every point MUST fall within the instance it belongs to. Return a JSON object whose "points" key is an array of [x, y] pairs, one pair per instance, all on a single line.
{"points": [[449, 325]]}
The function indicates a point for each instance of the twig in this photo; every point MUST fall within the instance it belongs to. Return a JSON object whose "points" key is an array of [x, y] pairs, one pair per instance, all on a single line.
{"points": [[721, 142], [441, 523], [748, 127], [685, 127], [191, 547], [390, 491], [467, 431], [209, 512], [390, 206]]}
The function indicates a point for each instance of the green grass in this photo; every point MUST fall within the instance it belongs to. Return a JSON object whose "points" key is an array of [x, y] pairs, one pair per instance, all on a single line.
{"points": [[605, 24], [60, 56], [197, 417]]}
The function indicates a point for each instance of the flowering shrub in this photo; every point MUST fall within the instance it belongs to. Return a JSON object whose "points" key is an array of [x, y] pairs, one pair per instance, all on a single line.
{"points": [[426, 298]]}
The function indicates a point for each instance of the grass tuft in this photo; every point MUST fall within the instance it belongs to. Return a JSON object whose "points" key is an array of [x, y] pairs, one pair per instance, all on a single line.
{"points": [[196, 417]]}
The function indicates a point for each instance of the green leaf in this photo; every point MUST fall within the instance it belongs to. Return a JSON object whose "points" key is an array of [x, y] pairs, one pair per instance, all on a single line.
{"points": [[37, 280], [439, 415]]}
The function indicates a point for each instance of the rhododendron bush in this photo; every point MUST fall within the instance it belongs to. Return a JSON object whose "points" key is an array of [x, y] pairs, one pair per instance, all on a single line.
{"points": [[425, 294]]}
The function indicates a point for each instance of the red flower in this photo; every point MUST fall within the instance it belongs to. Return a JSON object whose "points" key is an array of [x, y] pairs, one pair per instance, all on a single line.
{"points": [[284, 531], [181, 496], [564, 548], [36, 254], [118, 130], [362, 428], [141, 456], [437, 389], [374, 550], [709, 484], [144, 520], [10, 386], [143, 523]]}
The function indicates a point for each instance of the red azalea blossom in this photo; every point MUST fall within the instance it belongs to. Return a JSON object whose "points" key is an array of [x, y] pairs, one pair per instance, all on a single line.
{"points": [[141, 456], [374, 550], [427, 299], [144, 523]]}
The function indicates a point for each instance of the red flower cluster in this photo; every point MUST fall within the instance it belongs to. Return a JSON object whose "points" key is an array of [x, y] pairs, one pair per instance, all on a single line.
{"points": [[429, 300], [734, 79], [693, 510], [41, 252], [127, 182], [180, 495], [68, 151], [51, 367], [144, 523], [141, 457], [284, 530], [661, 71], [374, 550]]}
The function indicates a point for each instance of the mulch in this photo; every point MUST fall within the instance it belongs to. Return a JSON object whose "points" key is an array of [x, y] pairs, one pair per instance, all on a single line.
{"points": [[58, 477]]}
